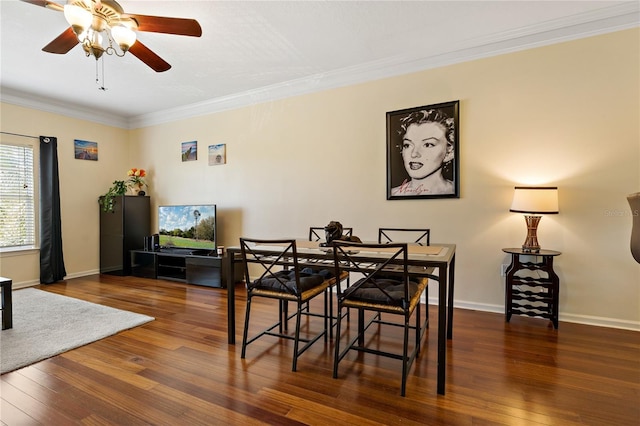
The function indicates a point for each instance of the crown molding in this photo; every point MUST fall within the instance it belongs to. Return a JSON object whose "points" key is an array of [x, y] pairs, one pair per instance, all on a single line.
{"points": [[30, 100], [610, 19]]}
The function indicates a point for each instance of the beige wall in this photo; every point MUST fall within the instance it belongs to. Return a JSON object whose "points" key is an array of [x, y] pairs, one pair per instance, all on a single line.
{"points": [[81, 183], [565, 115]]}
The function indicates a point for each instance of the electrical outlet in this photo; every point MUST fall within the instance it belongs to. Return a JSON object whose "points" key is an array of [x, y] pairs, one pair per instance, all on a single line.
{"points": [[503, 269]]}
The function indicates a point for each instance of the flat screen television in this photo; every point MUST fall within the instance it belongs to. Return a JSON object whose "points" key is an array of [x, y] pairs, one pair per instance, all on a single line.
{"points": [[187, 226]]}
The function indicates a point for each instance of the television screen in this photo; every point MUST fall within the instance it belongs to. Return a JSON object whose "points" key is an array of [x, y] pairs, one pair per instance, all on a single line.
{"points": [[188, 226]]}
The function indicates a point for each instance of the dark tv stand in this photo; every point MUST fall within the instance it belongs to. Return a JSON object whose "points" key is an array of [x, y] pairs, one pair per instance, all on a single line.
{"points": [[183, 265]]}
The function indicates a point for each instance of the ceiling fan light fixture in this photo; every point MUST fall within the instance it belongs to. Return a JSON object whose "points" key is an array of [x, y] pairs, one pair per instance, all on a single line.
{"points": [[123, 36], [102, 27], [92, 43], [96, 50], [80, 19], [95, 38]]}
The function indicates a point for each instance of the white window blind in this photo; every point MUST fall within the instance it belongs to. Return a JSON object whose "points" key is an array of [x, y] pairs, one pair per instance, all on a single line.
{"points": [[17, 216]]}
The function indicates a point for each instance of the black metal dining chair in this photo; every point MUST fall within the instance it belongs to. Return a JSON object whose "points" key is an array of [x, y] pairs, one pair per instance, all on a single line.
{"points": [[385, 288], [317, 233], [286, 285], [420, 236]]}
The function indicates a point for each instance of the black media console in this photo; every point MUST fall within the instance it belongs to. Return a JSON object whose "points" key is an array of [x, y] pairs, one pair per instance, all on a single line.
{"points": [[184, 265]]}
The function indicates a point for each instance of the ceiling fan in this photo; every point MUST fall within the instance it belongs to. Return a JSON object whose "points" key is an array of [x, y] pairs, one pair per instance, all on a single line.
{"points": [[99, 24]]}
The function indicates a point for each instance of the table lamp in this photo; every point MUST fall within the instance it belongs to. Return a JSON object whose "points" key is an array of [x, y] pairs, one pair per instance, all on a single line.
{"points": [[534, 201]]}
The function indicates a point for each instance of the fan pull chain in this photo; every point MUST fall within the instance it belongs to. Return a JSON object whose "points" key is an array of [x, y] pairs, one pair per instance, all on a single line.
{"points": [[100, 85]]}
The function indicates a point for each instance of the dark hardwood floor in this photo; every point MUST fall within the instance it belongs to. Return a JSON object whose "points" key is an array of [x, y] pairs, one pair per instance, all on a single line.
{"points": [[179, 370]]}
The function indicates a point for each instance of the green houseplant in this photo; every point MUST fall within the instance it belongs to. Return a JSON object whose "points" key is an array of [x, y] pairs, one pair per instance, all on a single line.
{"points": [[107, 201]]}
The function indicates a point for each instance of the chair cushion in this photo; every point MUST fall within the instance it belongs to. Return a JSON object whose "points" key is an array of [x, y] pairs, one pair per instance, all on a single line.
{"points": [[285, 281], [324, 272], [368, 292]]}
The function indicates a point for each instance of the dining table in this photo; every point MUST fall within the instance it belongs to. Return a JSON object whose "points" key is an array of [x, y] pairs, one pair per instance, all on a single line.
{"points": [[436, 261]]}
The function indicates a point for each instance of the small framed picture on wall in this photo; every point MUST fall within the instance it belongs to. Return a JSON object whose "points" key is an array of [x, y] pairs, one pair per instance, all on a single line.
{"points": [[217, 154], [423, 152], [189, 151], [85, 150]]}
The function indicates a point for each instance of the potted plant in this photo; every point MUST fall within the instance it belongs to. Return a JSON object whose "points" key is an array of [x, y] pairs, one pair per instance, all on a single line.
{"points": [[107, 201]]}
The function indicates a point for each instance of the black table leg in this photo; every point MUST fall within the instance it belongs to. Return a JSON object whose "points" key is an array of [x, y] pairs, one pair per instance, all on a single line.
{"points": [[442, 328], [7, 304], [231, 300], [452, 267]]}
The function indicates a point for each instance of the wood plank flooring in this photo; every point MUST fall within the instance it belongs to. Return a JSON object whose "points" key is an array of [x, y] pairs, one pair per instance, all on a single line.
{"points": [[179, 370]]}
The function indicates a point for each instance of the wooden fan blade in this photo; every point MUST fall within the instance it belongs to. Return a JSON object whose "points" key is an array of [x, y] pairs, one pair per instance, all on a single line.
{"points": [[145, 54], [46, 3], [63, 43], [160, 24]]}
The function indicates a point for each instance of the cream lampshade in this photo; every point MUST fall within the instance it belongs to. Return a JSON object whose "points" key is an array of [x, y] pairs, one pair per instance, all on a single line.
{"points": [[534, 201]]}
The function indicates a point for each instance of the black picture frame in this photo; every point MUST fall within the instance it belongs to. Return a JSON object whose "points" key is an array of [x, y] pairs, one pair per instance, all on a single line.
{"points": [[421, 179]]}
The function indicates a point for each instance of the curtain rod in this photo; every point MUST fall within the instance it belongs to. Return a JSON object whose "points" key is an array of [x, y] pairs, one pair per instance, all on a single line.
{"points": [[18, 134]]}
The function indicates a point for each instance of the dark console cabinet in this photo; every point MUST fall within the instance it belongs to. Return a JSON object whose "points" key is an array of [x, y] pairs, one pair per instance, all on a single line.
{"points": [[171, 267], [204, 271], [121, 231], [184, 267], [144, 264]]}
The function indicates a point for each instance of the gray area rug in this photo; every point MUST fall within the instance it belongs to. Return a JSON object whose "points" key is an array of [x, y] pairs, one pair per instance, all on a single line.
{"points": [[47, 324]]}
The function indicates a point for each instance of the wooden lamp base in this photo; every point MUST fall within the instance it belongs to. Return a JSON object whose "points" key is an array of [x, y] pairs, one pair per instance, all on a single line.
{"points": [[531, 242]]}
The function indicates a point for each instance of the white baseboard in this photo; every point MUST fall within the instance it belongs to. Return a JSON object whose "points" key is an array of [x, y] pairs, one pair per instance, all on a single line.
{"points": [[564, 317], [31, 283], [24, 284], [81, 274]]}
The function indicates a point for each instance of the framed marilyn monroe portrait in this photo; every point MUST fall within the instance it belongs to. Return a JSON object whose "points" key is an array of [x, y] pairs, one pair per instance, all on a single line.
{"points": [[423, 152]]}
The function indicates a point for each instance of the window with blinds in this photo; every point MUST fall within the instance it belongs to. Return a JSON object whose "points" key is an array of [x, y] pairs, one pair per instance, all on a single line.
{"points": [[17, 215]]}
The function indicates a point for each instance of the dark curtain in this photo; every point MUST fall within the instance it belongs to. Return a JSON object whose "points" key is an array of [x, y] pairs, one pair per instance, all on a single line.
{"points": [[51, 258]]}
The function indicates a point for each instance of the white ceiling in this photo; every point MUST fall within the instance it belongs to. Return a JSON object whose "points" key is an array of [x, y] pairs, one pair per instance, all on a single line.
{"points": [[253, 51]]}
